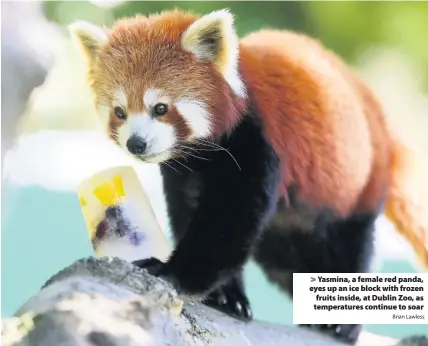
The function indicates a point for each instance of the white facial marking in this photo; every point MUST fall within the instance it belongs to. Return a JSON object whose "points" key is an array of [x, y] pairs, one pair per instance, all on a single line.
{"points": [[160, 137], [154, 96], [120, 99], [196, 116], [150, 97]]}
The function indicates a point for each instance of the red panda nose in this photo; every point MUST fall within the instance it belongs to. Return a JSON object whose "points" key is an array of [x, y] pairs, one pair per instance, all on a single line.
{"points": [[136, 145]]}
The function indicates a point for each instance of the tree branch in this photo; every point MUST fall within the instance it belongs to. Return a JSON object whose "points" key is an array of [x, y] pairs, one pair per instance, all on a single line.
{"points": [[109, 302]]}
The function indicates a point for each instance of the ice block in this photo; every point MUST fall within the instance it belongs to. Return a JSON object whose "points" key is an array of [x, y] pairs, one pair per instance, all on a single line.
{"points": [[119, 217]]}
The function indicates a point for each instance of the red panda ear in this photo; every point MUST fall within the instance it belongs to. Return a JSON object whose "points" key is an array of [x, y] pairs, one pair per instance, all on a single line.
{"points": [[89, 37], [213, 38]]}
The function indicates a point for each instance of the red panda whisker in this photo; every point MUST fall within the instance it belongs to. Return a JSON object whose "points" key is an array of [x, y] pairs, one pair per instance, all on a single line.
{"points": [[180, 152], [204, 141], [177, 152], [182, 164], [208, 144], [209, 147], [170, 167], [218, 147], [198, 157], [197, 150], [186, 147]]}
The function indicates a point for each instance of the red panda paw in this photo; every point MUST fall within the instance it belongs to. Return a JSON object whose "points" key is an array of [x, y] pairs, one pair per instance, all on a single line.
{"points": [[231, 300]]}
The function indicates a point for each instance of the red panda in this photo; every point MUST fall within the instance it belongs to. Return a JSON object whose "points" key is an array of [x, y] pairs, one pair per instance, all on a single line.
{"points": [[270, 148]]}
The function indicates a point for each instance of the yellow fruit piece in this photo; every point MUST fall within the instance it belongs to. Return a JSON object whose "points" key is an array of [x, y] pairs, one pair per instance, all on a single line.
{"points": [[118, 184], [110, 193]]}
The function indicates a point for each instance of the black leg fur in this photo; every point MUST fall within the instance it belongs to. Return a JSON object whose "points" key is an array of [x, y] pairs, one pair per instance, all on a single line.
{"points": [[183, 191], [234, 206], [217, 212], [333, 246]]}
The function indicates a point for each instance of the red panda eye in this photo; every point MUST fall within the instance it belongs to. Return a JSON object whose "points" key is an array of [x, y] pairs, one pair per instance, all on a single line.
{"points": [[160, 109], [120, 113]]}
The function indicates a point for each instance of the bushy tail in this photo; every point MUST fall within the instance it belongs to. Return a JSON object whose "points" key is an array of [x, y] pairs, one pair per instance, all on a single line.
{"points": [[407, 200]]}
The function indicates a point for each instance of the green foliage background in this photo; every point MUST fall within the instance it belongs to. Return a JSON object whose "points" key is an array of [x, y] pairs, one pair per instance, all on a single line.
{"points": [[347, 27]]}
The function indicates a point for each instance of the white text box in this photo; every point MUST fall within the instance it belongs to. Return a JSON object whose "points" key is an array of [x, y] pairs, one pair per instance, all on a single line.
{"points": [[399, 298]]}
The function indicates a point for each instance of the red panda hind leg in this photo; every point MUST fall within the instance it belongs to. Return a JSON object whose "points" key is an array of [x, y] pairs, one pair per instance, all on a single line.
{"points": [[299, 240]]}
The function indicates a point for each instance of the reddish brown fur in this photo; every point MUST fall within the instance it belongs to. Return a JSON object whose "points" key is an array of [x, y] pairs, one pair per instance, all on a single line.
{"points": [[331, 133], [406, 204], [114, 124], [182, 129], [145, 52], [323, 122], [308, 107], [316, 118]]}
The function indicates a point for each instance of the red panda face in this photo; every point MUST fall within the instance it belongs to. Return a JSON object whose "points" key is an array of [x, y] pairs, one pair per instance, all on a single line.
{"points": [[164, 80]]}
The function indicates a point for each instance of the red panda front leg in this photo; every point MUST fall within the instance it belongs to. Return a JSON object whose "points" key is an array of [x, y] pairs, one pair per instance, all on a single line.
{"points": [[234, 208], [182, 195]]}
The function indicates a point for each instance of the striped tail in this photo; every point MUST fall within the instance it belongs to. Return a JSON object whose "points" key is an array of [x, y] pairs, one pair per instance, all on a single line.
{"points": [[407, 200]]}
